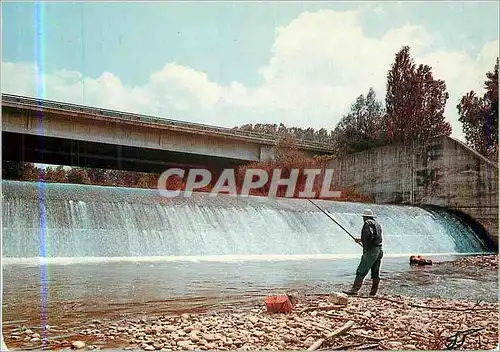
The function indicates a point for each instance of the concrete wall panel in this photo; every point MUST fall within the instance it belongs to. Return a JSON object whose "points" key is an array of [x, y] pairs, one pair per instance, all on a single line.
{"points": [[442, 172]]}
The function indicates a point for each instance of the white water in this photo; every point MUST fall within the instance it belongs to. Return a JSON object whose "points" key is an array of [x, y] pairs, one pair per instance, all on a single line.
{"points": [[214, 259], [76, 223]]}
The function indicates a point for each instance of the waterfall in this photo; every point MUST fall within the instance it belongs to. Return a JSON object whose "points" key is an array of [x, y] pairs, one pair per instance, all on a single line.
{"points": [[65, 220]]}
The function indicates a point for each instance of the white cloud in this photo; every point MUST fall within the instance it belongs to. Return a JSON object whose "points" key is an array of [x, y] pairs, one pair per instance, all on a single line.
{"points": [[379, 10], [462, 74], [320, 62]]}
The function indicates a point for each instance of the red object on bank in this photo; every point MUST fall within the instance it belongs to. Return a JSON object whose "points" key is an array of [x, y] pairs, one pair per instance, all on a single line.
{"points": [[278, 304]]}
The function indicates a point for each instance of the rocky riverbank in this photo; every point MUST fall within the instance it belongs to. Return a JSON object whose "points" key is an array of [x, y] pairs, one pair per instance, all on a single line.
{"points": [[479, 261], [380, 323]]}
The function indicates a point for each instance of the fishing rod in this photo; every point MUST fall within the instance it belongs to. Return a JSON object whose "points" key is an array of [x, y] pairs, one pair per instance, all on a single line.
{"points": [[324, 212]]}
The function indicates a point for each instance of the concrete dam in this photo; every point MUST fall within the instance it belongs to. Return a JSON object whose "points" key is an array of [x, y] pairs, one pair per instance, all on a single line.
{"points": [[81, 221]]}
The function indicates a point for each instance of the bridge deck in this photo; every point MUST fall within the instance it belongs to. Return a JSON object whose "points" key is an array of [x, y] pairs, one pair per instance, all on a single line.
{"points": [[28, 103]]}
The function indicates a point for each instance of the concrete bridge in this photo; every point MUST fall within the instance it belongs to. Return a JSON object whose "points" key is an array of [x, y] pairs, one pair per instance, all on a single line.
{"points": [[41, 131], [441, 172]]}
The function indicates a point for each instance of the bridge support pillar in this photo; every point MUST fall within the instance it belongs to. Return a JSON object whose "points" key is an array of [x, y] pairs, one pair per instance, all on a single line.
{"points": [[266, 152]]}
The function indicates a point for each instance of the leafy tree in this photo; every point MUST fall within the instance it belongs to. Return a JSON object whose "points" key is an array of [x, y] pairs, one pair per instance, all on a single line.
{"points": [[308, 134], [113, 178], [415, 101], [142, 181], [31, 173], [78, 175], [12, 170], [55, 175], [97, 176], [286, 149], [479, 117], [362, 127]]}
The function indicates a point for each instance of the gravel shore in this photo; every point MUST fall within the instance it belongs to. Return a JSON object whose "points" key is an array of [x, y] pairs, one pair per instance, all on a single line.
{"points": [[381, 323], [378, 323], [479, 261]]}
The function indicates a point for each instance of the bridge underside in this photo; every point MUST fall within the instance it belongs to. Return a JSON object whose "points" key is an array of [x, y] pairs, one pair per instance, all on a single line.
{"points": [[62, 151]]}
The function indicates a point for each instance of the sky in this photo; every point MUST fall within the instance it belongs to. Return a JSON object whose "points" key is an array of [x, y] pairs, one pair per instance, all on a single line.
{"points": [[233, 63]]}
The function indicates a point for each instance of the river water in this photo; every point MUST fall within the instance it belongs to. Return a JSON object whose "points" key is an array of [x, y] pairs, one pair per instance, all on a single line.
{"points": [[110, 252], [72, 293]]}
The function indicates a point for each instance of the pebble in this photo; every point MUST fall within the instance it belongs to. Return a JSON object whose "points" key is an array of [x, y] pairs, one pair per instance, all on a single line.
{"points": [[208, 337], [170, 328], [253, 319], [338, 298], [78, 345], [158, 346], [309, 342], [183, 343], [395, 344], [409, 347]]}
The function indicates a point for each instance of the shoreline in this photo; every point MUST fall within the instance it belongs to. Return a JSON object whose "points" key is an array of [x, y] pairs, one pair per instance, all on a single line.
{"points": [[381, 323], [384, 322], [226, 258]]}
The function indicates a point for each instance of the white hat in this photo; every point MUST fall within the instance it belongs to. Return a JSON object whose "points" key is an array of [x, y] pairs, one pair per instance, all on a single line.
{"points": [[368, 213]]}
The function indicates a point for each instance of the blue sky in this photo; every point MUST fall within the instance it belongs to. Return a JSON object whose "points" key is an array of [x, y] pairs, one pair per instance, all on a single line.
{"points": [[229, 63]]}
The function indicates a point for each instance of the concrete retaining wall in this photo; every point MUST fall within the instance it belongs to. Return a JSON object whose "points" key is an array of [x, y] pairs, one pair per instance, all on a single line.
{"points": [[441, 172]]}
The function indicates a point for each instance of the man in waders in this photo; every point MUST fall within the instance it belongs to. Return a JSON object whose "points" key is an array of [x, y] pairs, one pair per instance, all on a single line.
{"points": [[371, 240]]}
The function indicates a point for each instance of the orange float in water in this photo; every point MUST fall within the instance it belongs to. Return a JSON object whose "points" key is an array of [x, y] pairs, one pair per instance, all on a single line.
{"points": [[278, 304]]}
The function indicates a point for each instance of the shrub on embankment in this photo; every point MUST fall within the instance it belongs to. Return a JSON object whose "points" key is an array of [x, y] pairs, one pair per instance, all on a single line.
{"points": [[288, 158]]}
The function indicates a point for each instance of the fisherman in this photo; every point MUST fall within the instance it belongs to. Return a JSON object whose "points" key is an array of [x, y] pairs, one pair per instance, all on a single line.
{"points": [[371, 240]]}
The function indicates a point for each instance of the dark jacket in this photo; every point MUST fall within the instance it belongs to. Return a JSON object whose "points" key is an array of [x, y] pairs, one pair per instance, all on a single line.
{"points": [[371, 234]]}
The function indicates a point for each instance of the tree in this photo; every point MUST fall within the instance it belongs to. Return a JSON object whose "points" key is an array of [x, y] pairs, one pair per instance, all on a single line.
{"points": [[78, 175], [97, 176], [479, 117], [415, 101], [12, 170], [293, 132], [56, 175], [362, 127], [146, 180], [286, 149], [32, 173]]}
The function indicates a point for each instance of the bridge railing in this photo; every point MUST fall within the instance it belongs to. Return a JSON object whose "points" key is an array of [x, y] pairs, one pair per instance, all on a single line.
{"points": [[50, 104]]}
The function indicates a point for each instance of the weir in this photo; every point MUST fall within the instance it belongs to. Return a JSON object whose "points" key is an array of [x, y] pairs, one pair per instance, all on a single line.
{"points": [[77, 221]]}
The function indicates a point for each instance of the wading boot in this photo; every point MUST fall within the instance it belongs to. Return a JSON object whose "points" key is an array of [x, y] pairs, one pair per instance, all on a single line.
{"points": [[375, 283], [358, 282]]}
